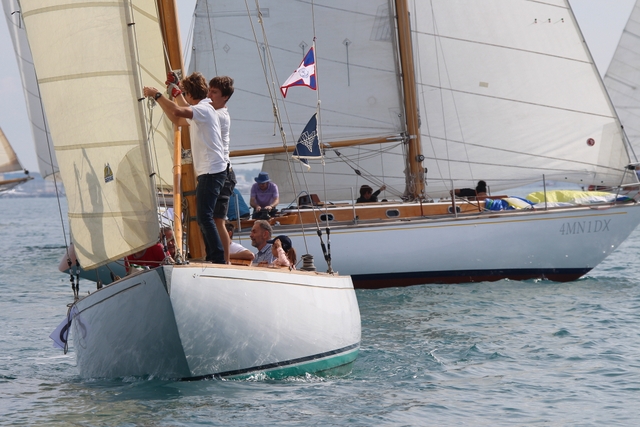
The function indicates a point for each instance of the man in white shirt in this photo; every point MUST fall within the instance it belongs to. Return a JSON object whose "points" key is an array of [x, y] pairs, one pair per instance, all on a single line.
{"points": [[207, 150]]}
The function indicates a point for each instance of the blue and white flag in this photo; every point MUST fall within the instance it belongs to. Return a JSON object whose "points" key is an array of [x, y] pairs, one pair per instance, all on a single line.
{"points": [[305, 75], [308, 146]]}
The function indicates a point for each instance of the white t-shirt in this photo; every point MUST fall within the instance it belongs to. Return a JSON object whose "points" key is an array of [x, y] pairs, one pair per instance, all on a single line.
{"points": [[236, 248], [207, 148], [225, 126]]}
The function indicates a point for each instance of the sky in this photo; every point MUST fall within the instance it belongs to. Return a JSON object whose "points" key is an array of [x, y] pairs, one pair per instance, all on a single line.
{"points": [[601, 22]]}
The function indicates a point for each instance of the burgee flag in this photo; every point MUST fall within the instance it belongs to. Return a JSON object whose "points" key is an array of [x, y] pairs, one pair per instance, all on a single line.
{"points": [[305, 75], [308, 146]]}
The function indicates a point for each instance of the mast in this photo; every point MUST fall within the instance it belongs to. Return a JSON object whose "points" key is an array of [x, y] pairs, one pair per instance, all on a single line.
{"points": [[415, 179], [183, 177]]}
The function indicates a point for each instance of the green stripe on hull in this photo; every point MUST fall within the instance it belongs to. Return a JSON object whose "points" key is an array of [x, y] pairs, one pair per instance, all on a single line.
{"points": [[339, 364]]}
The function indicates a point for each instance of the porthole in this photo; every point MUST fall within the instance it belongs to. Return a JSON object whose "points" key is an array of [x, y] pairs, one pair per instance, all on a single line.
{"points": [[393, 213], [326, 217], [451, 210]]}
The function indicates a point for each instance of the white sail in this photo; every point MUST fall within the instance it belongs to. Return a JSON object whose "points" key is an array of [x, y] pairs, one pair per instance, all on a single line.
{"points": [[507, 91], [622, 78], [357, 76], [90, 77], [44, 151], [8, 159]]}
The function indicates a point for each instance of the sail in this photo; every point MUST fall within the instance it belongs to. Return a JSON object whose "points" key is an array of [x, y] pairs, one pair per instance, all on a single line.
{"points": [[623, 80], [357, 83], [508, 92], [92, 59], [8, 160], [44, 151]]}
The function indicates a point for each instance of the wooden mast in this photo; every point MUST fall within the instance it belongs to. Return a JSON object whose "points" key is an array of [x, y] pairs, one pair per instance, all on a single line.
{"points": [[184, 182], [415, 182]]}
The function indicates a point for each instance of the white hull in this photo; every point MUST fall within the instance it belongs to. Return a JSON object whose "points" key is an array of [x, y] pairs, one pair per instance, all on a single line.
{"points": [[200, 321], [560, 244]]}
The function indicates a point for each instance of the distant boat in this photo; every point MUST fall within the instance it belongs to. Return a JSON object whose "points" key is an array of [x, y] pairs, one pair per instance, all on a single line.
{"points": [[9, 163], [425, 97], [114, 151]]}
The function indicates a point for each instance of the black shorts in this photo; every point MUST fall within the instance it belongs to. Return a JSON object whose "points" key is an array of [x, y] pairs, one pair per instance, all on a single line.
{"points": [[222, 204]]}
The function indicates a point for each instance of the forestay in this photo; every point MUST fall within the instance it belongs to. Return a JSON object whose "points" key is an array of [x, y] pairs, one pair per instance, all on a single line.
{"points": [[91, 66]]}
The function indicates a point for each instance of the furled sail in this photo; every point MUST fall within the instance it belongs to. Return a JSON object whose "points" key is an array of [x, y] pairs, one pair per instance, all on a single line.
{"points": [[623, 80], [8, 160], [92, 59], [46, 157], [357, 75]]}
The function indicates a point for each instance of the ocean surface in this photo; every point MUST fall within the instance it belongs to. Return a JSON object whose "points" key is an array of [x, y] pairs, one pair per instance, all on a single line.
{"points": [[484, 354]]}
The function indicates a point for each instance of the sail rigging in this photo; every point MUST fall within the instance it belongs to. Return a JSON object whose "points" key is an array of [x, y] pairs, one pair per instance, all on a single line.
{"points": [[493, 101]]}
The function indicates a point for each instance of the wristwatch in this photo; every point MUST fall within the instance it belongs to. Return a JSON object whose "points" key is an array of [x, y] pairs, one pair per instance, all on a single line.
{"points": [[157, 95]]}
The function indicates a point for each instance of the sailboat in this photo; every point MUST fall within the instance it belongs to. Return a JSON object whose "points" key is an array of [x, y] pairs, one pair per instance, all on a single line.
{"points": [[115, 153], [426, 97], [9, 163]]}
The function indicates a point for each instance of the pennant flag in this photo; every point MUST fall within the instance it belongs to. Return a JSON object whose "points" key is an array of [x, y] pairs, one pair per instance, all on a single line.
{"points": [[308, 146], [305, 75]]}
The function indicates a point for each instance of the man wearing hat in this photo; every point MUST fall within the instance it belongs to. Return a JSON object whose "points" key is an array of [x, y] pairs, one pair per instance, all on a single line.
{"points": [[264, 197]]}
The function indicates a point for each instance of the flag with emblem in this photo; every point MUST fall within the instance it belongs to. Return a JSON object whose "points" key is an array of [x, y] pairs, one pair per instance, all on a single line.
{"points": [[305, 75], [308, 146]]}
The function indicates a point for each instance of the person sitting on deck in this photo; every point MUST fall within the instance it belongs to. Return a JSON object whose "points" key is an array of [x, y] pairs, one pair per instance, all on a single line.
{"points": [[264, 197], [367, 195], [242, 208], [283, 251], [236, 250], [151, 257], [480, 192], [260, 233]]}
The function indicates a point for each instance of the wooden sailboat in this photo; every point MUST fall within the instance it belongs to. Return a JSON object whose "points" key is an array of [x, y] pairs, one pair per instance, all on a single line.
{"points": [[114, 152], [9, 163], [425, 97]]}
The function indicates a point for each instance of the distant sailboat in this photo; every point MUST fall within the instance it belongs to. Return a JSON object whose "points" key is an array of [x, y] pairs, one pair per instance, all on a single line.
{"points": [[9, 163], [425, 97], [115, 154]]}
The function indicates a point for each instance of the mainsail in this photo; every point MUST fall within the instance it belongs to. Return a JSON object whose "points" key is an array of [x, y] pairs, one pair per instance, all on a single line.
{"points": [[92, 59], [622, 78], [494, 100], [357, 76]]}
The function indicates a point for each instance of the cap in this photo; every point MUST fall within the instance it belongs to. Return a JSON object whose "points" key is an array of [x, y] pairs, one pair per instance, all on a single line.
{"points": [[286, 242]]}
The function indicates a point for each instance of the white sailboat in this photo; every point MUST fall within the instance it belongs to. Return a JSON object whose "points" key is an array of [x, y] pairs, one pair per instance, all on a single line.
{"points": [[425, 97], [9, 163], [114, 153]]}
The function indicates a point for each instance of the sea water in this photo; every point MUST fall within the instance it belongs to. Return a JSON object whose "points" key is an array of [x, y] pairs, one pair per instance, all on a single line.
{"points": [[484, 354]]}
